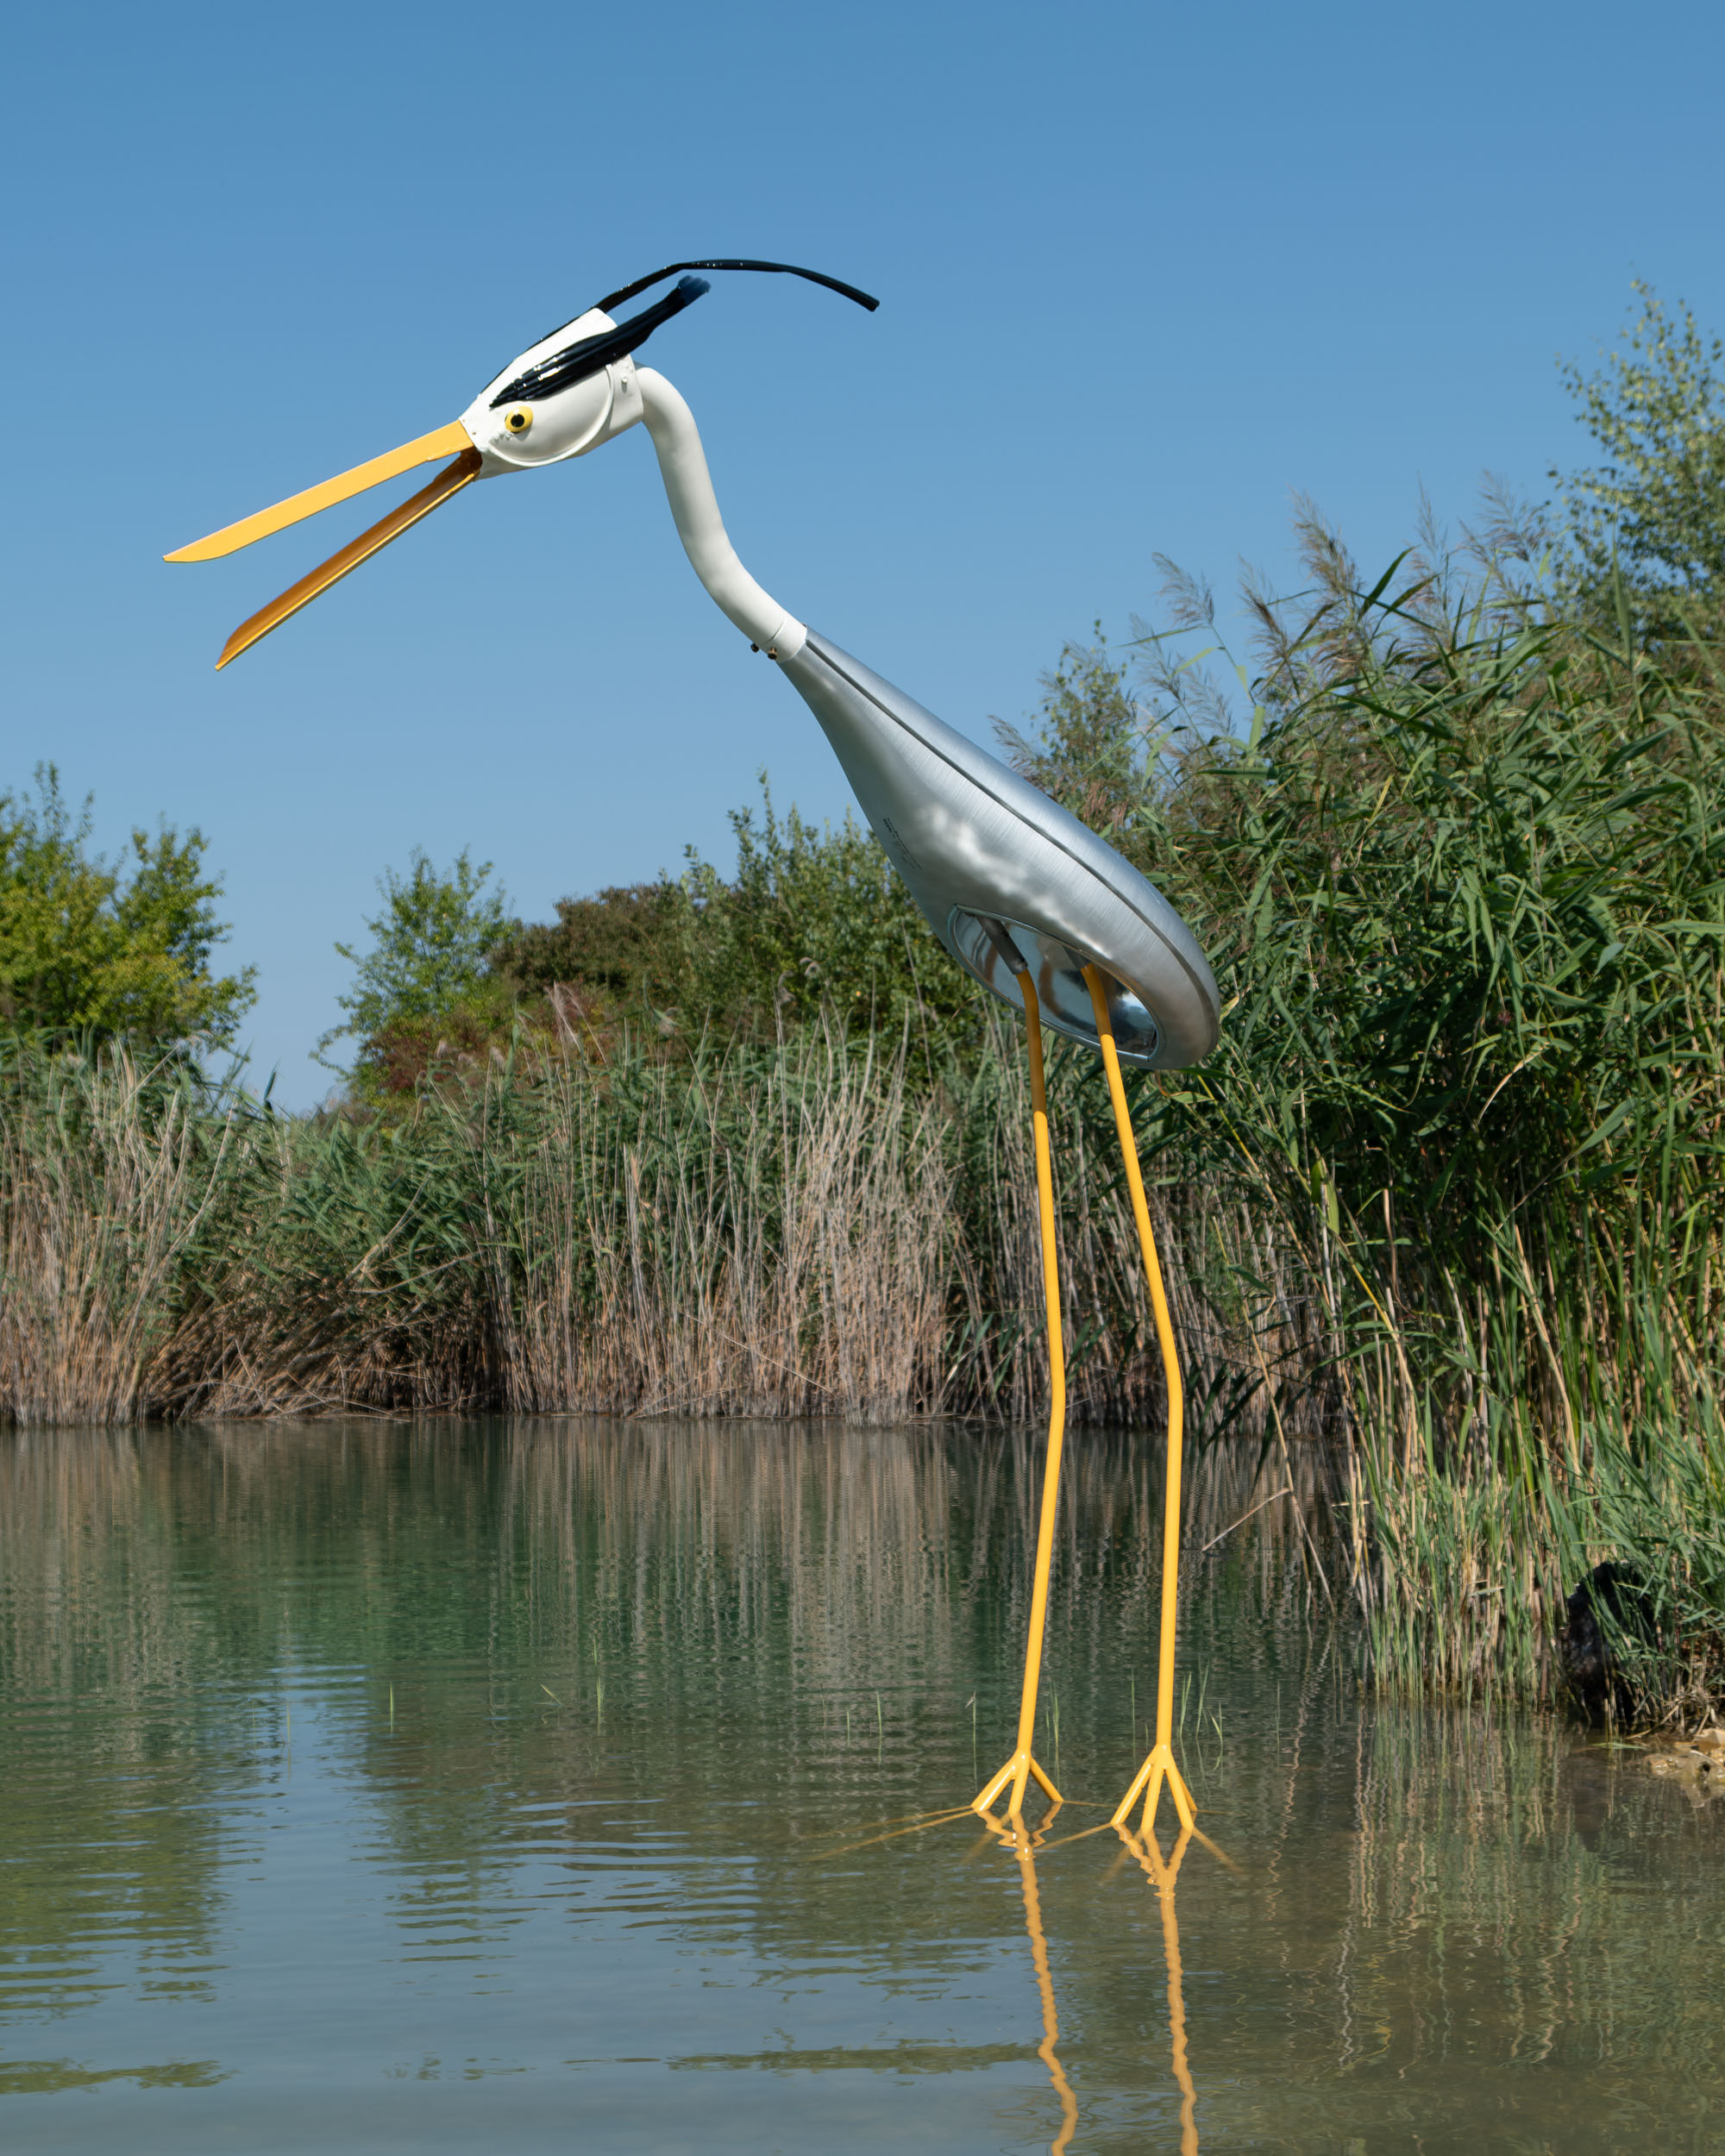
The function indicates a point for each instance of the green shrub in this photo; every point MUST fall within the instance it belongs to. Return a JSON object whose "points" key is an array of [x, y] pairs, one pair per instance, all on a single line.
{"points": [[89, 950]]}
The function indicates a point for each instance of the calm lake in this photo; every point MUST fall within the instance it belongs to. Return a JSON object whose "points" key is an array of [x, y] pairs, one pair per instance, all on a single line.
{"points": [[536, 1786]]}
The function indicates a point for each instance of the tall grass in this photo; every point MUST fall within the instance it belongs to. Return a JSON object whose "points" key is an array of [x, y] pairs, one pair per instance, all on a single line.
{"points": [[794, 1230], [766, 1234], [747, 1232], [106, 1173]]}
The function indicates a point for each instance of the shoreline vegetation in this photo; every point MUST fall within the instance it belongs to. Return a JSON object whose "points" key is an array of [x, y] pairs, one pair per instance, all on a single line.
{"points": [[1442, 1215]]}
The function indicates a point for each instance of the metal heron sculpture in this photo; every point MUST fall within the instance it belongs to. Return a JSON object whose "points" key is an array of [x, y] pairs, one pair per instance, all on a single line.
{"points": [[1034, 905]]}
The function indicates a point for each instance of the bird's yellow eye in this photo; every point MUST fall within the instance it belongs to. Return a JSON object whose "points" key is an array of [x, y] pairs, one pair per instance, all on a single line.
{"points": [[517, 419]]}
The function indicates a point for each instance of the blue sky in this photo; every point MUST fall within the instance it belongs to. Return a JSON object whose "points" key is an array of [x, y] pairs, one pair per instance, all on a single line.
{"points": [[1145, 271]]}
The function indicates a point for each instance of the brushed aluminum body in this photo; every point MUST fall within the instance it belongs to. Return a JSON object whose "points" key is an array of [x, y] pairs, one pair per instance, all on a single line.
{"points": [[981, 848]]}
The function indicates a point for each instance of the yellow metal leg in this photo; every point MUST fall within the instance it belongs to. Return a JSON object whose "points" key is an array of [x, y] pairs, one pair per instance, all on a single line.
{"points": [[1159, 1768], [1022, 1766]]}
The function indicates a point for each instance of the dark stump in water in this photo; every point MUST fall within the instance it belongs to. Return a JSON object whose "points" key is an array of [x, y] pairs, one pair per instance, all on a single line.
{"points": [[1612, 1601]]}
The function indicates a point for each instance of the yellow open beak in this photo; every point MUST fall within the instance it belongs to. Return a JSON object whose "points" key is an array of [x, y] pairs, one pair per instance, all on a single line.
{"points": [[453, 438]]}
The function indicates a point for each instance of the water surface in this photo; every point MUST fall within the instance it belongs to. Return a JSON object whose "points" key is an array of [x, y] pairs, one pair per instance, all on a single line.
{"points": [[536, 1786]]}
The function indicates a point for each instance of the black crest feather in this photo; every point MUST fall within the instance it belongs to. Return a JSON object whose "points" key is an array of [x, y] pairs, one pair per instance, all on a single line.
{"points": [[588, 355]]}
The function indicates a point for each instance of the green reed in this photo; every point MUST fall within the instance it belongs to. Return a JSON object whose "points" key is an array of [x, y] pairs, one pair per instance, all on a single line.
{"points": [[1466, 881]]}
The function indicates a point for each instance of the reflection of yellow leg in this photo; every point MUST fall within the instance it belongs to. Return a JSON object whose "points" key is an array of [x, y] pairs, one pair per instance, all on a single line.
{"points": [[1024, 1848], [1148, 1851], [1022, 1765], [1159, 1767]]}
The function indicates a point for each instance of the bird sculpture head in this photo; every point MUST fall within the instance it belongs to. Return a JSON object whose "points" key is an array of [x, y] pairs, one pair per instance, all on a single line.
{"points": [[570, 393]]}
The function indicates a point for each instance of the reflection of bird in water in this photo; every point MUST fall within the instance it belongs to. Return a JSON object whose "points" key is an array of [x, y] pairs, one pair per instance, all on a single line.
{"points": [[1161, 1873], [1028, 900], [1024, 1844]]}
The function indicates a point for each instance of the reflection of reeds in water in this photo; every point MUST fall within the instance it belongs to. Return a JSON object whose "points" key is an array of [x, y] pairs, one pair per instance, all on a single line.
{"points": [[728, 1584], [789, 1557], [1464, 1902], [1468, 1830], [1411, 1877], [831, 1554], [90, 1609], [102, 1664], [835, 1566]]}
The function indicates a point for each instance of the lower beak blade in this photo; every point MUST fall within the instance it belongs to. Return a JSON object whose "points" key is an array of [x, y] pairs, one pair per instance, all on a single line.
{"points": [[440, 443], [447, 483]]}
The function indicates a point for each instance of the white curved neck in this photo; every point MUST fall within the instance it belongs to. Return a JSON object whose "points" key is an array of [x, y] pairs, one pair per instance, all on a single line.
{"points": [[682, 464]]}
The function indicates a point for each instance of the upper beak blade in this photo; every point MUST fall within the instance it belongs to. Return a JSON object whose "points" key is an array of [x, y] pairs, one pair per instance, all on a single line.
{"points": [[447, 483], [443, 441]]}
